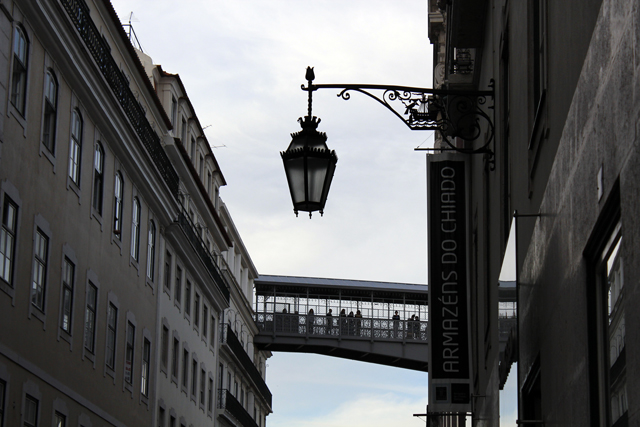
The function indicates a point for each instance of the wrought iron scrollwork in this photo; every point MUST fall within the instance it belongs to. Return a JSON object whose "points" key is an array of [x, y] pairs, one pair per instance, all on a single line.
{"points": [[453, 113]]}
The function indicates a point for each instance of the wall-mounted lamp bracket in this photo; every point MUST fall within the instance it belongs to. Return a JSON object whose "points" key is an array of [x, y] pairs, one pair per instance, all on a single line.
{"points": [[453, 113]]}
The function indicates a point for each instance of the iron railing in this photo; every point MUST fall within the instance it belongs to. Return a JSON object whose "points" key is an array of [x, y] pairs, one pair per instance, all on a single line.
{"points": [[79, 13], [204, 254], [229, 403], [229, 338], [341, 326]]}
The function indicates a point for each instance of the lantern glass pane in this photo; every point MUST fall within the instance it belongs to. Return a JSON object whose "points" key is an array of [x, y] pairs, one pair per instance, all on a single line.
{"points": [[317, 171], [295, 175]]}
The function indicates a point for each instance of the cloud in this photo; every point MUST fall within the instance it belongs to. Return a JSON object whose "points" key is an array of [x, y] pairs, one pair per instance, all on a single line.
{"points": [[365, 410]]}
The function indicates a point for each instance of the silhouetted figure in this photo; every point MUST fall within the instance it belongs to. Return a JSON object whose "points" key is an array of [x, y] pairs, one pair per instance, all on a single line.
{"points": [[358, 317], [329, 324], [310, 321], [343, 322], [410, 326], [396, 323], [416, 328], [351, 323]]}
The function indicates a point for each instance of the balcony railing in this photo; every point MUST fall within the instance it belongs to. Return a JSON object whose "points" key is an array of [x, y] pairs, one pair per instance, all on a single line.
{"points": [[229, 337], [229, 403], [79, 14], [204, 254], [340, 326]]}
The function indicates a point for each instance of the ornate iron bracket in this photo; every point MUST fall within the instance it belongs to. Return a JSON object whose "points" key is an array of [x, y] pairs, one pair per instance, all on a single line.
{"points": [[453, 113]]}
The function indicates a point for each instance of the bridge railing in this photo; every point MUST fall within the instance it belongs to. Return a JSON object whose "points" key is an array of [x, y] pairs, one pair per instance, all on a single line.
{"points": [[345, 327]]}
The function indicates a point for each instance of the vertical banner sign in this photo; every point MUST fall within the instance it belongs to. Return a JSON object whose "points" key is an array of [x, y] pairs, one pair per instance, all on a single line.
{"points": [[449, 339]]}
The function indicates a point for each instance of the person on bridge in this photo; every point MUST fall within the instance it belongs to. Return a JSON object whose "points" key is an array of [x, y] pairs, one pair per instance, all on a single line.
{"points": [[416, 327], [358, 317], [329, 324], [343, 322], [310, 321], [410, 326], [351, 322], [396, 323]]}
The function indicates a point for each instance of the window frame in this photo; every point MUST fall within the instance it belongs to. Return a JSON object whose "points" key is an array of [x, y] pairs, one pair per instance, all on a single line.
{"points": [[145, 369], [90, 318], [151, 251], [67, 297], [50, 111], [129, 354], [19, 70], [97, 196], [136, 213], [118, 206], [7, 203], [76, 132], [111, 336], [38, 309]]}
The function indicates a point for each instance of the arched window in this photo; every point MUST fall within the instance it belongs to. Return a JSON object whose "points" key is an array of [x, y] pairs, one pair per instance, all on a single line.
{"points": [[50, 111], [135, 229], [19, 72], [98, 178], [151, 250], [75, 147], [117, 208]]}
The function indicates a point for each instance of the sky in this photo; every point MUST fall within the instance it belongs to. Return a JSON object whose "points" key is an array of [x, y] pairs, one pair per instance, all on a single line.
{"points": [[242, 63]]}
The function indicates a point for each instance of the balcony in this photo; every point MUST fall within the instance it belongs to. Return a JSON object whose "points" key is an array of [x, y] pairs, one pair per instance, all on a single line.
{"points": [[201, 249], [229, 338], [79, 14], [231, 405]]}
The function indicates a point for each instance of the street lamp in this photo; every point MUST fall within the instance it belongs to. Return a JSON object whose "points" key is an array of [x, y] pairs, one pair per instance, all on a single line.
{"points": [[458, 115], [308, 163]]}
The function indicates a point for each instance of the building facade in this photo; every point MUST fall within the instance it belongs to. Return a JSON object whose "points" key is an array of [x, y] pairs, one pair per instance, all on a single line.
{"points": [[121, 268], [564, 169]]}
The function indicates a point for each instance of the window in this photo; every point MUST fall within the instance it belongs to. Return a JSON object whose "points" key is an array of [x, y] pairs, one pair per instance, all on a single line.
{"points": [[205, 320], [30, 411], [194, 377], [38, 284], [135, 230], [174, 112], [196, 310], [151, 250], [98, 178], [161, 417], [50, 111], [184, 131], [185, 368], [167, 271], [128, 353], [68, 273], [60, 420], [117, 208], [610, 282], [146, 359], [19, 72], [208, 182], [112, 328], [165, 348], [193, 149], [8, 239], [210, 401], [90, 318], [172, 421], [212, 339], [3, 385], [539, 55], [178, 289], [201, 173], [176, 357], [75, 147], [187, 298], [203, 379]]}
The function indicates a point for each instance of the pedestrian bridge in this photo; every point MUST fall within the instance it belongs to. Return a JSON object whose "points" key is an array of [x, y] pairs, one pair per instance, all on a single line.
{"points": [[292, 315]]}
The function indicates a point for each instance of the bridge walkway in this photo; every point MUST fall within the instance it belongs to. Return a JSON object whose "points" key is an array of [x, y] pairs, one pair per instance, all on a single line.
{"points": [[291, 313]]}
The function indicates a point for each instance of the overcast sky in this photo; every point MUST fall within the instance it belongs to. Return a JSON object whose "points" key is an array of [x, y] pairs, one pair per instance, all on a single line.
{"points": [[242, 63]]}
